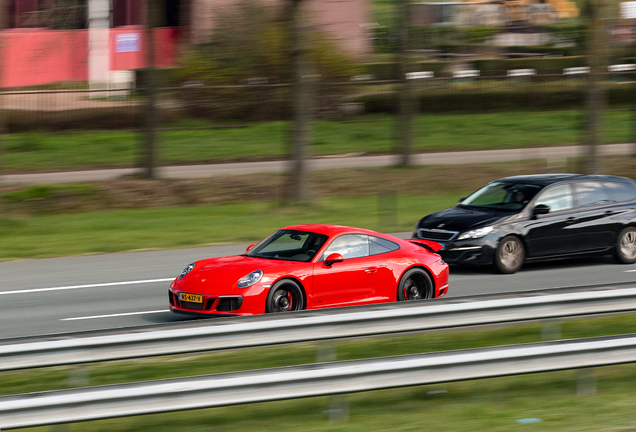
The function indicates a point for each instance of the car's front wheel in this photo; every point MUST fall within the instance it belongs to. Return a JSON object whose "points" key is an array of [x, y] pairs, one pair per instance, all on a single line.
{"points": [[285, 296], [509, 255], [626, 246], [416, 284]]}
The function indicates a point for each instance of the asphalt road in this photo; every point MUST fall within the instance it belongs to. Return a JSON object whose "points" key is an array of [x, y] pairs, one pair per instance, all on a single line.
{"points": [[59, 295]]}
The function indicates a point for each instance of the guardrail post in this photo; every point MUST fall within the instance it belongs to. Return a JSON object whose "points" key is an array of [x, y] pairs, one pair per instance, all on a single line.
{"points": [[77, 377], [338, 409], [551, 330], [585, 382]]}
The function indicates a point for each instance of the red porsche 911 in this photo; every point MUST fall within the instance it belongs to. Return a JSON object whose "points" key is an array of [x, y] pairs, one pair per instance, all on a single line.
{"points": [[312, 267]]}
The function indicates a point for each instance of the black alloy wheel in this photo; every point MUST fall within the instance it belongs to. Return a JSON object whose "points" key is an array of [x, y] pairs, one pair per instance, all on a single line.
{"points": [[626, 246], [416, 284], [510, 255], [285, 296]]}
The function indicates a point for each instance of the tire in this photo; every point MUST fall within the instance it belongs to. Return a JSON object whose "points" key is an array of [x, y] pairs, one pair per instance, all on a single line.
{"points": [[285, 296], [626, 246], [415, 284], [510, 255]]}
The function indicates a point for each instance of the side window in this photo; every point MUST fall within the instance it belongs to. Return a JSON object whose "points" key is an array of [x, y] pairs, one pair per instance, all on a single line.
{"points": [[379, 245], [557, 198], [349, 246], [588, 193], [620, 192]]}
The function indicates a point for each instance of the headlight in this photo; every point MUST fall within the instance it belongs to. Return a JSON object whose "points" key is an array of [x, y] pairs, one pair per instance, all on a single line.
{"points": [[186, 270], [474, 234], [250, 279]]}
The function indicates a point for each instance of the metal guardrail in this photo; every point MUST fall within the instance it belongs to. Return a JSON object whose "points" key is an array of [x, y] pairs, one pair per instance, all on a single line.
{"points": [[217, 390], [313, 326]]}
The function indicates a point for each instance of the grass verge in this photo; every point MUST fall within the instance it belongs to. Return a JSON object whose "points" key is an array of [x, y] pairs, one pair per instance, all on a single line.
{"points": [[161, 228], [40, 152]]}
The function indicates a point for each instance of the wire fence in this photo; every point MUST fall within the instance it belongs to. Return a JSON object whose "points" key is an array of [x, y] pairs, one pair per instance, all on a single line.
{"points": [[194, 106]]}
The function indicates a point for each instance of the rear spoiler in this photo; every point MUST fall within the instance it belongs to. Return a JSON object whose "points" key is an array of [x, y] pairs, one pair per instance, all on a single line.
{"points": [[429, 245]]}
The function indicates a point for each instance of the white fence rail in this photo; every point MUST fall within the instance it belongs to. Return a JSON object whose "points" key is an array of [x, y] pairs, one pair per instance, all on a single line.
{"points": [[208, 391], [313, 326]]}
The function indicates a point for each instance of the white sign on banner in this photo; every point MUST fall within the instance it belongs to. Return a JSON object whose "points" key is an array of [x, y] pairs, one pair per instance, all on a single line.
{"points": [[628, 10], [127, 42]]}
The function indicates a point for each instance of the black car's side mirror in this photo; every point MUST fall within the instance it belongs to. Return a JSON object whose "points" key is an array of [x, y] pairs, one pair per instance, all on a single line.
{"points": [[461, 200], [540, 209]]}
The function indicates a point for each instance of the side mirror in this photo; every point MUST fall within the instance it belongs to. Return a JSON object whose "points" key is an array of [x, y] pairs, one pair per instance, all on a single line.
{"points": [[249, 248], [461, 200], [333, 258], [540, 210]]}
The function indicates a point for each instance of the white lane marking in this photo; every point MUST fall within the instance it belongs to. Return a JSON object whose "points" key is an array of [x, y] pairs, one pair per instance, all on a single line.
{"points": [[34, 290], [629, 271], [114, 315]]}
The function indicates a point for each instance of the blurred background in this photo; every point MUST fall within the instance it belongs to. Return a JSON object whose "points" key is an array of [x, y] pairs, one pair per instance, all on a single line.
{"points": [[130, 125]]}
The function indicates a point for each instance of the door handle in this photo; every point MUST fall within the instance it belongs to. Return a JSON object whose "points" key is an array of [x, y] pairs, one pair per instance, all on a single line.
{"points": [[571, 220], [370, 270]]}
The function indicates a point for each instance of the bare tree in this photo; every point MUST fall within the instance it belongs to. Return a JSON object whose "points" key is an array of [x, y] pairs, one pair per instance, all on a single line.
{"points": [[149, 154], [301, 105], [405, 97], [595, 101]]}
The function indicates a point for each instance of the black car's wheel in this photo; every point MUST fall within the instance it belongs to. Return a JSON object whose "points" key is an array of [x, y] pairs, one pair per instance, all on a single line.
{"points": [[285, 296], [626, 246], [415, 284], [509, 255]]}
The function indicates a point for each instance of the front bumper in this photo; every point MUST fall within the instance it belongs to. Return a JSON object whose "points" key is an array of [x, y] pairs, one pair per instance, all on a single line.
{"points": [[468, 252], [250, 301]]}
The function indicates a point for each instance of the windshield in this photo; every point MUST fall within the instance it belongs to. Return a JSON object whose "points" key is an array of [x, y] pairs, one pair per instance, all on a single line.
{"points": [[289, 245], [505, 196]]}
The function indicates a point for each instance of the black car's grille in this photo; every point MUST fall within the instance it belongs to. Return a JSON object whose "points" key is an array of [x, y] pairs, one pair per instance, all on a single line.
{"points": [[436, 235]]}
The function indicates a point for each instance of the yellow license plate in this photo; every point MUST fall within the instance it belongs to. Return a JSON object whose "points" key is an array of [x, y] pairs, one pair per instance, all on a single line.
{"points": [[194, 298]]}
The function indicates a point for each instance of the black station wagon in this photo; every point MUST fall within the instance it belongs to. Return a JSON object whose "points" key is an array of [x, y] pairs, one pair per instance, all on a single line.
{"points": [[537, 217]]}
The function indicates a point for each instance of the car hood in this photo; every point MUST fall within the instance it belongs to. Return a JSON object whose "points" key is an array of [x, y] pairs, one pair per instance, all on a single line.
{"points": [[461, 219], [226, 271]]}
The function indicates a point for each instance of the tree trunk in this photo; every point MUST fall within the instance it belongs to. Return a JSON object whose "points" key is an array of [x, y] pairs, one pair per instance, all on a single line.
{"points": [[595, 96], [150, 158], [298, 183], [405, 97]]}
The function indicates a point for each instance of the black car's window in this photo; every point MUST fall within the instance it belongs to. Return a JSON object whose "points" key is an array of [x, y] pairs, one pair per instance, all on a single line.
{"points": [[501, 195], [557, 198], [588, 193], [379, 245], [289, 245], [620, 192], [349, 246]]}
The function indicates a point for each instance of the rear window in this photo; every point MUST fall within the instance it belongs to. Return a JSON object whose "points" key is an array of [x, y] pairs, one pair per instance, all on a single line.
{"points": [[588, 193], [620, 191], [379, 245]]}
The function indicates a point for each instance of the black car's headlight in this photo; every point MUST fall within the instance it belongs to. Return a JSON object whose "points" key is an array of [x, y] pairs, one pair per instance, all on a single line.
{"points": [[186, 270], [250, 279], [475, 234]]}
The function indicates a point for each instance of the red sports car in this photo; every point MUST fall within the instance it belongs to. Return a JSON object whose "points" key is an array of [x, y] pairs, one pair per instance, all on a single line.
{"points": [[312, 267]]}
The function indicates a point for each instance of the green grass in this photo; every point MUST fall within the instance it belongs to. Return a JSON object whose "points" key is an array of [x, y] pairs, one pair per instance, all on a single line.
{"points": [[38, 152], [488, 404], [160, 228]]}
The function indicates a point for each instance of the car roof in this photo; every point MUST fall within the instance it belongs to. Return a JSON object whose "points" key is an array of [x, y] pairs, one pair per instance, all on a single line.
{"points": [[546, 179], [330, 230]]}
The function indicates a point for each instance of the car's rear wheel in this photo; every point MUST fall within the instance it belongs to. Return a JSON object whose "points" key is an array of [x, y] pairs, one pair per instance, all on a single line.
{"points": [[509, 255], [285, 296], [626, 246], [415, 284]]}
